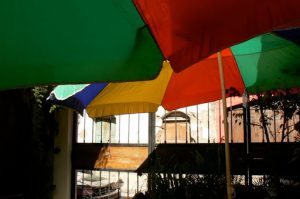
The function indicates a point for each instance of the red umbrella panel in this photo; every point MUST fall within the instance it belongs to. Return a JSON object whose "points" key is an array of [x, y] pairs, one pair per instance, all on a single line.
{"points": [[188, 31]]}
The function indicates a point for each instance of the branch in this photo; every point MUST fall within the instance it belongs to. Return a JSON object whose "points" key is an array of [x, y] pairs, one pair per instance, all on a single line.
{"points": [[263, 120], [287, 134]]}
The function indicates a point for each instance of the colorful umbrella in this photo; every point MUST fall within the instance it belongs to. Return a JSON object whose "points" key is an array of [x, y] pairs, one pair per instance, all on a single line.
{"points": [[188, 31], [260, 64], [59, 42]]}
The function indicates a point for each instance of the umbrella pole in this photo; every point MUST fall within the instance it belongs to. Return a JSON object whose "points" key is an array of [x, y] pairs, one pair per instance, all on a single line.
{"points": [[227, 154]]}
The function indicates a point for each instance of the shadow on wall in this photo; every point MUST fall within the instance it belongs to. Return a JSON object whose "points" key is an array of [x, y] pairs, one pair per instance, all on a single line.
{"points": [[26, 147], [14, 143]]}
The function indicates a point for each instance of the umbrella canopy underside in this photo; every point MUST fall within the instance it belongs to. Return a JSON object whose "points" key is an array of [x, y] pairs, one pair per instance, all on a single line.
{"points": [[264, 63]]}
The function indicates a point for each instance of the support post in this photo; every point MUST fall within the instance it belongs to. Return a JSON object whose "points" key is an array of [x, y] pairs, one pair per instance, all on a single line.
{"points": [[227, 151], [247, 138], [151, 145], [151, 133]]}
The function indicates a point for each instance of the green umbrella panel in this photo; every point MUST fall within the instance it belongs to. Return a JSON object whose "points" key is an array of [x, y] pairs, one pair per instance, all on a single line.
{"points": [[62, 42]]}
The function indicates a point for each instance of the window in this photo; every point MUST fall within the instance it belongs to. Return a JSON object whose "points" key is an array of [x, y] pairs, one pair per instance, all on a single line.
{"points": [[121, 145]]}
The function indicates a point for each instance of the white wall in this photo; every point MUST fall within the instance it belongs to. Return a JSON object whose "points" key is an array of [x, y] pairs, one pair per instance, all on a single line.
{"points": [[62, 160]]}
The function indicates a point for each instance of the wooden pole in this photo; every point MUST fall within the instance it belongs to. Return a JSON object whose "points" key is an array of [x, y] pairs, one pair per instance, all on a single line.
{"points": [[227, 152]]}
